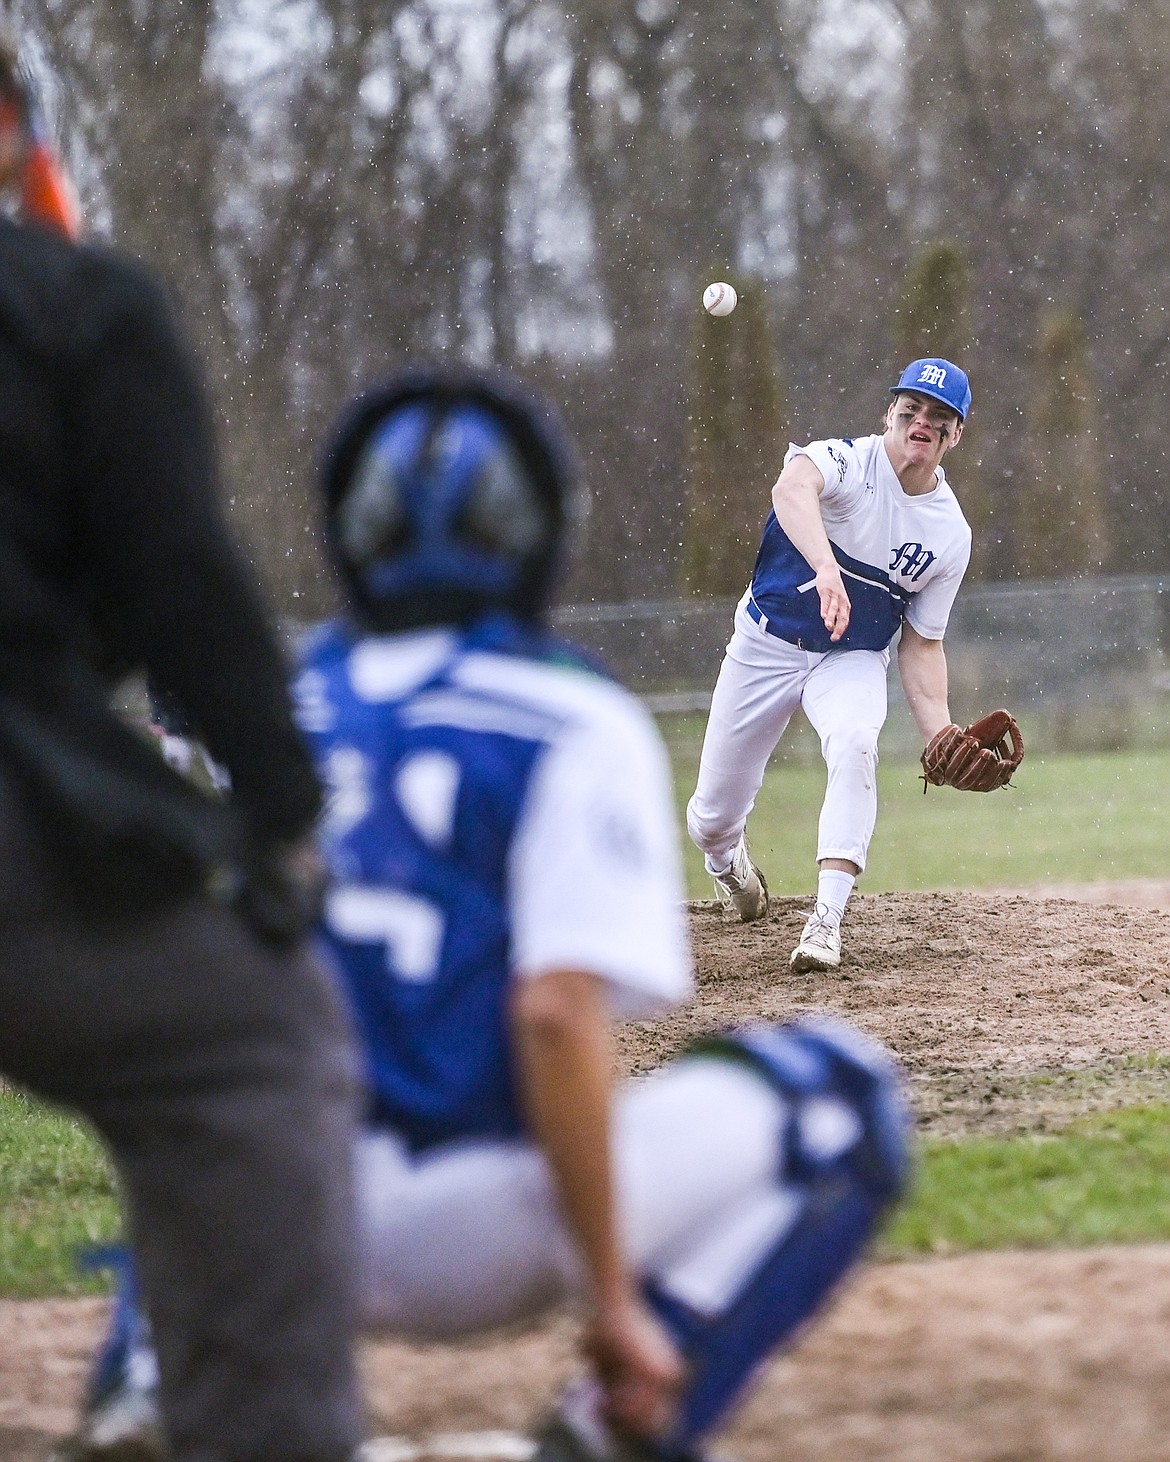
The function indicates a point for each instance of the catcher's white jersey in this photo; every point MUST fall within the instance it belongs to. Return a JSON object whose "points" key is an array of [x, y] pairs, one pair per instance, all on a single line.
{"points": [[496, 811], [901, 556]]}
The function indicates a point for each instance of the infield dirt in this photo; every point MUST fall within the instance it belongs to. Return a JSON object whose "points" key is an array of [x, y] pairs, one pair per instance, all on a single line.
{"points": [[1010, 1013]]}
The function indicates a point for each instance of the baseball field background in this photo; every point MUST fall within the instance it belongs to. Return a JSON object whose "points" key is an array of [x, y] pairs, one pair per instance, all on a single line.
{"points": [[549, 187], [1035, 1033]]}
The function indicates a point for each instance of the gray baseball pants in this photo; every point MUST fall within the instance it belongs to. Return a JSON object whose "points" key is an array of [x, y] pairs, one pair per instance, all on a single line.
{"points": [[220, 1075]]}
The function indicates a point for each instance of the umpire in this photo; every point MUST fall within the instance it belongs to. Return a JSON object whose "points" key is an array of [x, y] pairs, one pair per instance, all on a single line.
{"points": [[186, 1024]]}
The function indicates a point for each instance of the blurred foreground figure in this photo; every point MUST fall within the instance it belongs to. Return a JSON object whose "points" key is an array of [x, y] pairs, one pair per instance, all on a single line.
{"points": [[30, 169], [150, 970], [505, 882]]}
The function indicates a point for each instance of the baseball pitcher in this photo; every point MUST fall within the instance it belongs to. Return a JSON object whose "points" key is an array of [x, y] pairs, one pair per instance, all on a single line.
{"points": [[865, 542]]}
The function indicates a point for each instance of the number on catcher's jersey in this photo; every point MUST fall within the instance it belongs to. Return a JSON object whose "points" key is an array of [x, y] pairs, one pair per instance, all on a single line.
{"points": [[411, 928]]}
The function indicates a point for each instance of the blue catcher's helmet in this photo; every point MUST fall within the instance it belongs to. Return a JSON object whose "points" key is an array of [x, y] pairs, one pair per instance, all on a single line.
{"points": [[447, 495]]}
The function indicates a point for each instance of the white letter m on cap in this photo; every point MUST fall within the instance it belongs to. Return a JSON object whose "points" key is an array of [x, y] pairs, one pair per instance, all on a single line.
{"points": [[932, 375]]}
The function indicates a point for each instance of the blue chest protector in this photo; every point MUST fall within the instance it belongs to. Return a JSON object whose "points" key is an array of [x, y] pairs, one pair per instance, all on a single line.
{"points": [[426, 793]]}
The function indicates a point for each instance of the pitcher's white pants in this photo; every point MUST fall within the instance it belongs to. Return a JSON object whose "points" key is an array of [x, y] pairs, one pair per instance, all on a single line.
{"points": [[468, 1235], [761, 683]]}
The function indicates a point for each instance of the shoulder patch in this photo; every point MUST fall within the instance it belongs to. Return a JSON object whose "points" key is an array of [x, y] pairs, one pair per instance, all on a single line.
{"points": [[841, 460]]}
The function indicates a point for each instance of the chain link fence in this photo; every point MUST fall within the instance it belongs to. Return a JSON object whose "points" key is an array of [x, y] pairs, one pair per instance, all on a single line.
{"points": [[1082, 662]]}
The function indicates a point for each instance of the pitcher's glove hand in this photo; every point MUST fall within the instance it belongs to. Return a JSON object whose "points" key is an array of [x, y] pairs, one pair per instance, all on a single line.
{"points": [[978, 759]]}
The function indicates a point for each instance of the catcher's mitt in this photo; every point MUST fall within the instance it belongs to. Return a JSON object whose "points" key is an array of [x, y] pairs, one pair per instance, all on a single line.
{"points": [[978, 759]]}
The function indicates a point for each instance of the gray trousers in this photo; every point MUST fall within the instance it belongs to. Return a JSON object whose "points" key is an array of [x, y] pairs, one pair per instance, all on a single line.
{"points": [[221, 1076]]}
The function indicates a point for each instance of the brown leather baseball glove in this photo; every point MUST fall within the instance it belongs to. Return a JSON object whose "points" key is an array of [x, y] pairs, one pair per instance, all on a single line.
{"points": [[978, 759]]}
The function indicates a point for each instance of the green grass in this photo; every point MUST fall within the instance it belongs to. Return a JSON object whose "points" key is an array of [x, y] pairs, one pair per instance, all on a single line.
{"points": [[1072, 818], [56, 1195], [1103, 1180]]}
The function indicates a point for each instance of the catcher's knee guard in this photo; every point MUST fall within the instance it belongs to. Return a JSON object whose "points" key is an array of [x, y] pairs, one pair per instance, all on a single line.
{"points": [[844, 1160]]}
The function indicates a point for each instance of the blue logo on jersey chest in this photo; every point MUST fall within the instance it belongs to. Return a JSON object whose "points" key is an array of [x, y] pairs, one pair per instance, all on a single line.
{"points": [[911, 561]]}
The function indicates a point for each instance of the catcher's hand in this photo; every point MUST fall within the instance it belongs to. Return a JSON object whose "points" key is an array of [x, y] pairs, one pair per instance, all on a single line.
{"points": [[978, 759]]}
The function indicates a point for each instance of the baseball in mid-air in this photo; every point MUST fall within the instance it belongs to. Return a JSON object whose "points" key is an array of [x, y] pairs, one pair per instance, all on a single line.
{"points": [[719, 299]]}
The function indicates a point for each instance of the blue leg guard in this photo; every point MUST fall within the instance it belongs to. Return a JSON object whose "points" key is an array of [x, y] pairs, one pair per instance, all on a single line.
{"points": [[846, 1158], [126, 1357]]}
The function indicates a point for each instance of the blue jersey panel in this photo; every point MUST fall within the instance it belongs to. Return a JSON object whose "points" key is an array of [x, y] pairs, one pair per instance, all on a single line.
{"points": [[426, 793], [783, 587]]}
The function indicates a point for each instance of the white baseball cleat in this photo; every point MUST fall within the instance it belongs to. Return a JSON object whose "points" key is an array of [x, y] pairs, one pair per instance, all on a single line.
{"points": [[123, 1428], [820, 943], [741, 886]]}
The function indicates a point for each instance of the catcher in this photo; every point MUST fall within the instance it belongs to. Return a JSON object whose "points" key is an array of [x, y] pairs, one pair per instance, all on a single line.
{"points": [[865, 543]]}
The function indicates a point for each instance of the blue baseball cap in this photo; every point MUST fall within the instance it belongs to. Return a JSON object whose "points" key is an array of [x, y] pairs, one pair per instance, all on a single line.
{"points": [[940, 379]]}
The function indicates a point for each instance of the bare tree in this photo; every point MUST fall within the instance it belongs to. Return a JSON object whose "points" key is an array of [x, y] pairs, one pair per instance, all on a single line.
{"points": [[1062, 529], [551, 185]]}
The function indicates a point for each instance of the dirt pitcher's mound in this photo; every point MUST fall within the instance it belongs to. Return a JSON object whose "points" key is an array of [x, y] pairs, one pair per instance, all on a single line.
{"points": [[1008, 1012]]}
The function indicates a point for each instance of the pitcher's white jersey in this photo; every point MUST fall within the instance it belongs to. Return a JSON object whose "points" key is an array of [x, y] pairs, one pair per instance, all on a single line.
{"points": [[901, 556]]}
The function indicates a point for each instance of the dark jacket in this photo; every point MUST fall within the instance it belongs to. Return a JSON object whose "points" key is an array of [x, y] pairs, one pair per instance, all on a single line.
{"points": [[113, 550]]}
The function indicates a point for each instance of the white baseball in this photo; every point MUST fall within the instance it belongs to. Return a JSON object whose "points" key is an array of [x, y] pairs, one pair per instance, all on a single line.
{"points": [[719, 299]]}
